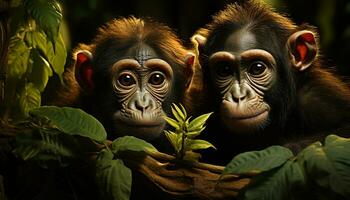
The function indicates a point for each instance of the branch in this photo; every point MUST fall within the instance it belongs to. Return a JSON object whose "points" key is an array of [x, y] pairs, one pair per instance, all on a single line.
{"points": [[181, 179]]}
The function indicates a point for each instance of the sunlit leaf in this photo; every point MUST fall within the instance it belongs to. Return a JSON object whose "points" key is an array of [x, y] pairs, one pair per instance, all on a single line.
{"points": [[57, 58], [29, 98], [191, 156], [197, 144], [130, 143], [194, 134], [172, 122], [183, 110], [176, 115], [198, 122], [40, 71], [17, 58], [178, 112], [172, 137], [47, 14]]}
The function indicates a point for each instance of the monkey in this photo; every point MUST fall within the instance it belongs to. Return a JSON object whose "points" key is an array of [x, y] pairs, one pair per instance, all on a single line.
{"points": [[129, 75], [265, 79]]}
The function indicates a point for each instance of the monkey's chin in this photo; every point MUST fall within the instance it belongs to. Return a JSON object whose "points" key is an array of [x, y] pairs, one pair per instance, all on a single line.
{"points": [[143, 129], [247, 124]]}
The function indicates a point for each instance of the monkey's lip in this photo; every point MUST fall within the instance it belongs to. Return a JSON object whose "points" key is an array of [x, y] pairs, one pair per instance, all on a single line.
{"points": [[251, 116], [139, 123]]}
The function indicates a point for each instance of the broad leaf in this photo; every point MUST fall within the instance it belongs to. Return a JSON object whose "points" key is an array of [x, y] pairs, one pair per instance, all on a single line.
{"points": [[36, 39], [172, 122], [57, 56], [197, 144], [329, 166], [113, 177], [259, 161], [130, 143], [17, 58], [198, 122], [40, 71], [29, 98], [47, 14], [73, 121], [280, 183]]}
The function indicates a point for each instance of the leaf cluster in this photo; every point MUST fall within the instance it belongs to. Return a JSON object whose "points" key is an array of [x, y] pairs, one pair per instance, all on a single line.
{"points": [[186, 130], [57, 136], [317, 172], [36, 52]]}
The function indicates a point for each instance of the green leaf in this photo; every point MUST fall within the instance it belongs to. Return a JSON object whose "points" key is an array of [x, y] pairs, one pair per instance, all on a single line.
{"points": [[191, 156], [197, 144], [279, 183], [172, 122], [194, 134], [179, 115], [72, 121], [17, 58], [183, 110], [198, 122], [113, 177], [40, 71], [172, 137], [57, 56], [47, 14], [29, 98], [329, 166], [259, 161], [131, 143], [36, 39]]}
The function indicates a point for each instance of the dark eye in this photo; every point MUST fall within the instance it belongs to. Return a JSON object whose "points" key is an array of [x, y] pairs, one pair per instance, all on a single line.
{"points": [[156, 79], [126, 80], [224, 71], [257, 68]]}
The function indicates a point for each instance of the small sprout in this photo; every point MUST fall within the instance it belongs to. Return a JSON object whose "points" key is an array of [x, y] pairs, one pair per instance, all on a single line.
{"points": [[185, 131]]}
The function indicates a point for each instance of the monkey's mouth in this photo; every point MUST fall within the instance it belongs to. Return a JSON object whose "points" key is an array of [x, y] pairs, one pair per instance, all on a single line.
{"points": [[241, 120], [139, 122]]}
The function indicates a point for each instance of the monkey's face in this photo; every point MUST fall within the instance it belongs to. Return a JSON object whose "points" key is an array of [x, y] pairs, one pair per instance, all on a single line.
{"points": [[241, 74], [141, 82]]}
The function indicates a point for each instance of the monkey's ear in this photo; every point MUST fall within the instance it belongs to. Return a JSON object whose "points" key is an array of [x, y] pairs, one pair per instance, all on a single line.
{"points": [[302, 47], [189, 68], [199, 42], [84, 70]]}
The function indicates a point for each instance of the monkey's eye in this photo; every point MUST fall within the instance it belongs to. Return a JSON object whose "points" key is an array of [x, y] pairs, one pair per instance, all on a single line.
{"points": [[126, 80], [257, 68], [224, 71], [156, 79]]}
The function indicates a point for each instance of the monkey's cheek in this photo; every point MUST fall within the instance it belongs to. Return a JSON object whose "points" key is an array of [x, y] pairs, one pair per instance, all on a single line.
{"points": [[246, 125]]}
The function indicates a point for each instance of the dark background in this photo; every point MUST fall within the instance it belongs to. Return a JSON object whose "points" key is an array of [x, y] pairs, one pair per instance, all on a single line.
{"points": [[332, 17]]}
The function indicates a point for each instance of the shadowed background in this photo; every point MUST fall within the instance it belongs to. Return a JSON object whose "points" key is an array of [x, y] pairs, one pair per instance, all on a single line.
{"points": [[83, 17]]}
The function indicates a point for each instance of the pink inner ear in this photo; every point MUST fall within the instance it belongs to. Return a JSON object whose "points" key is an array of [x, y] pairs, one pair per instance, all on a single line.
{"points": [[81, 58], [302, 50], [84, 70], [88, 77], [308, 37], [301, 45]]}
